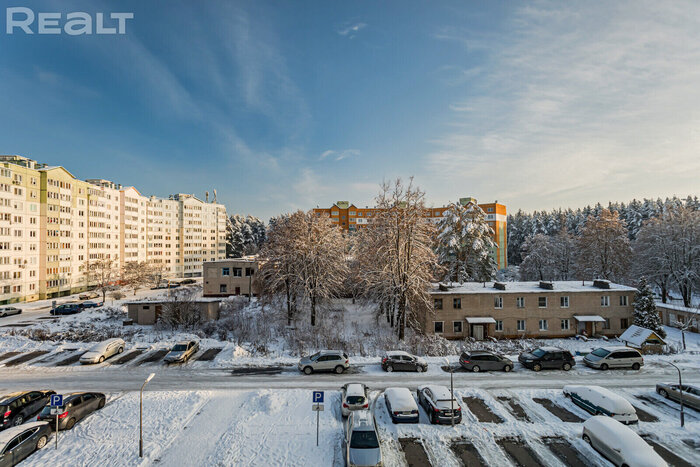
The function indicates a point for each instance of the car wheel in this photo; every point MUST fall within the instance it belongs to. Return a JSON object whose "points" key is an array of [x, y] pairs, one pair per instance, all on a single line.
{"points": [[41, 442], [636, 366], [389, 368], [567, 366], [102, 359], [587, 439], [476, 368], [507, 368], [70, 424], [339, 369], [18, 420], [101, 404], [604, 366], [121, 349], [537, 367], [663, 393], [3, 315], [308, 370], [419, 369]]}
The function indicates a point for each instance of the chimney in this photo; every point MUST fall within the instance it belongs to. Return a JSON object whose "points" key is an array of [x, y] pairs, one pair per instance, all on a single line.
{"points": [[547, 285], [601, 284], [499, 285]]}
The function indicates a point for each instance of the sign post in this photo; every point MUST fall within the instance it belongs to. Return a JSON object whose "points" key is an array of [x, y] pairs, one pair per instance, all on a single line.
{"points": [[318, 408], [56, 402]]}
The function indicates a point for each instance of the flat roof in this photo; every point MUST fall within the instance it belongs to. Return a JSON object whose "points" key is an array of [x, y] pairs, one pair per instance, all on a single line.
{"points": [[525, 287], [671, 306], [166, 300]]}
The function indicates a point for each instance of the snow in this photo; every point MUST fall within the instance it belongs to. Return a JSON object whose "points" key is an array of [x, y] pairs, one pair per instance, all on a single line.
{"points": [[527, 287], [602, 397], [635, 335], [670, 306], [590, 318], [634, 449], [401, 399]]}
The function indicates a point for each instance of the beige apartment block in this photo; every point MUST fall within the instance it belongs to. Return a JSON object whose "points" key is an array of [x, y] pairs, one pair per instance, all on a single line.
{"points": [[234, 276], [133, 216], [530, 309]]}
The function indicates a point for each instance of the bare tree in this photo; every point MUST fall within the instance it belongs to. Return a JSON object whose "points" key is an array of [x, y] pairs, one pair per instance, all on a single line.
{"points": [[104, 274], [603, 247], [136, 275], [180, 309]]}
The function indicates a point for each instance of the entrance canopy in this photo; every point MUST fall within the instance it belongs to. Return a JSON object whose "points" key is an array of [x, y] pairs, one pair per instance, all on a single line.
{"points": [[481, 320], [589, 319]]}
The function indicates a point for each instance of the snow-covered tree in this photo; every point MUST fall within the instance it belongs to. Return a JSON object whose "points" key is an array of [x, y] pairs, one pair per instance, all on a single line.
{"points": [[465, 245], [645, 313], [538, 259], [245, 235], [603, 247]]}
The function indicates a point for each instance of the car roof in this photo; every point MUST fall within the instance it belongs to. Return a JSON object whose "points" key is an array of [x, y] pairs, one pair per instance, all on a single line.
{"points": [[440, 392], [479, 352], [362, 419], [8, 434], [331, 351], [399, 352], [402, 398], [355, 389], [611, 348], [552, 349], [11, 396]]}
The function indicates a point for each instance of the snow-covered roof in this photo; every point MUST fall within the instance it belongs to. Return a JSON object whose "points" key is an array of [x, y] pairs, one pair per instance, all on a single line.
{"points": [[526, 287], [401, 399], [167, 300], [589, 319], [637, 335], [602, 398], [102, 346], [685, 309], [484, 320], [440, 393], [551, 349], [394, 353], [355, 389], [632, 446]]}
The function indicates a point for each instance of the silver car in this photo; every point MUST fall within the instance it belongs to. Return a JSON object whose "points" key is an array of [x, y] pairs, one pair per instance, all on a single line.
{"points": [[691, 393], [325, 360], [361, 441], [182, 351], [9, 310], [102, 351], [614, 357]]}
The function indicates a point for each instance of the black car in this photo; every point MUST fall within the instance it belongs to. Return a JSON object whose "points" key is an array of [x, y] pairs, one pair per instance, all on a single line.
{"points": [[19, 442], [403, 361], [483, 360], [439, 404], [188, 282], [18, 407], [547, 358], [67, 309], [75, 407]]}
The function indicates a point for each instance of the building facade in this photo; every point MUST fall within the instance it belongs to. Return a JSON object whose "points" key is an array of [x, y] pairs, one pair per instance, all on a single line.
{"points": [[679, 316], [52, 225], [234, 276], [530, 309], [351, 218]]}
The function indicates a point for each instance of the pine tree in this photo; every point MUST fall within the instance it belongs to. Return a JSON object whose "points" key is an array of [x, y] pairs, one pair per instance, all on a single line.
{"points": [[645, 314]]}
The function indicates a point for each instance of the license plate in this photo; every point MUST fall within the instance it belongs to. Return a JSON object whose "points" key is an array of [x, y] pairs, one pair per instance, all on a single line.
{"points": [[406, 413]]}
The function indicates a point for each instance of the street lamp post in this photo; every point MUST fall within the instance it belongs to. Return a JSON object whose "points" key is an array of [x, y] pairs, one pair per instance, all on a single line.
{"points": [[452, 392], [150, 377], [680, 389]]}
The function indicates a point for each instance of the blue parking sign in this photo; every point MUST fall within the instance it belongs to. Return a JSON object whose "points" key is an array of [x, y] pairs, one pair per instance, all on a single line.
{"points": [[56, 400], [318, 397]]}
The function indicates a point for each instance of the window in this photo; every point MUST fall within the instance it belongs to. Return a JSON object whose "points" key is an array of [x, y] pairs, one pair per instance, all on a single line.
{"points": [[249, 272], [225, 271], [521, 325], [544, 325], [623, 300], [222, 288], [565, 325], [564, 302], [606, 323], [498, 302], [457, 303], [438, 303], [499, 325], [605, 300], [237, 272], [438, 327], [520, 302], [542, 302], [457, 327], [624, 323]]}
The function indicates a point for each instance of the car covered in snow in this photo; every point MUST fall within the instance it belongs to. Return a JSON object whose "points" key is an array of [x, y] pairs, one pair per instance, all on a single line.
{"points": [[600, 401], [607, 357], [362, 447], [181, 352], [547, 358], [401, 405], [691, 393], [619, 444], [336, 361], [9, 310], [354, 397], [19, 442], [102, 351], [484, 360], [398, 360], [439, 404]]}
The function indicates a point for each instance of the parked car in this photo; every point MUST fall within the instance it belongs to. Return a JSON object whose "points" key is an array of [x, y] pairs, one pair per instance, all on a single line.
{"points": [[601, 401], [480, 360], [325, 360], [181, 352], [166, 285], [354, 397], [619, 444], [75, 407], [548, 358], [67, 309], [439, 404], [362, 446], [398, 360], [18, 407], [691, 393], [19, 442], [91, 304], [9, 310], [401, 405], [614, 357], [188, 282], [88, 295], [102, 351]]}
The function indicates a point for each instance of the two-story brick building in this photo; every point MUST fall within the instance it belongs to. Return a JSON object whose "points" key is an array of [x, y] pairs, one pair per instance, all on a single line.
{"points": [[232, 276]]}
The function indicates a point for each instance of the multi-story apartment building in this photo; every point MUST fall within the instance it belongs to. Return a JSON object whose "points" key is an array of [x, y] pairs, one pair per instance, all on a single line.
{"points": [[52, 225], [350, 218], [530, 309]]}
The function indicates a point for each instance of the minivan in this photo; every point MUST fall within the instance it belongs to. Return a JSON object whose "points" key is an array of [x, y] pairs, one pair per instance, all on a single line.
{"points": [[601, 401], [614, 357]]}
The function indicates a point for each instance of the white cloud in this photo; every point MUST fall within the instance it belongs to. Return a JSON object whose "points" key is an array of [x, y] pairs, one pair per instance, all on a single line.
{"points": [[339, 155], [350, 29]]}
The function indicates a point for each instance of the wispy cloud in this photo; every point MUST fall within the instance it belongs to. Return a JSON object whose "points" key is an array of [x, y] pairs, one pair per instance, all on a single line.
{"points": [[350, 30], [339, 155]]}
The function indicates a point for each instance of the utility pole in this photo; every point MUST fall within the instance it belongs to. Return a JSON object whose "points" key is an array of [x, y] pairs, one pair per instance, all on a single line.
{"points": [[680, 389]]}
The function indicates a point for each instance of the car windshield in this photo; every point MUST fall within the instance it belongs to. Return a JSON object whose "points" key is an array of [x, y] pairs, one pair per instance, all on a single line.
{"points": [[179, 348], [355, 400], [600, 353], [364, 440], [315, 356], [538, 353]]}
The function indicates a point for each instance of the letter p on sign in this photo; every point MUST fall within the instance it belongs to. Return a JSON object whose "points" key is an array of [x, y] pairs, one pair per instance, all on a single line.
{"points": [[318, 397]]}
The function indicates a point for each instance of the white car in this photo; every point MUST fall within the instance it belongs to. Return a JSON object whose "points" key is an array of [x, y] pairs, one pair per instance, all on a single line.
{"points": [[601, 401], [102, 351], [354, 398], [401, 405], [619, 444]]}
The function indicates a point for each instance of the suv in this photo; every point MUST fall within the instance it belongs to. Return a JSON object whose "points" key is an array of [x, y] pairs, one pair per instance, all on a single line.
{"points": [[17, 407], [9, 310], [552, 358], [479, 360], [614, 357], [67, 309], [181, 352], [325, 360], [361, 440], [439, 404], [403, 361]]}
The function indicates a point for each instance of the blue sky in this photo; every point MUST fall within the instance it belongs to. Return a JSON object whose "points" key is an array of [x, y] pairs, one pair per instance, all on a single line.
{"points": [[286, 105]]}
